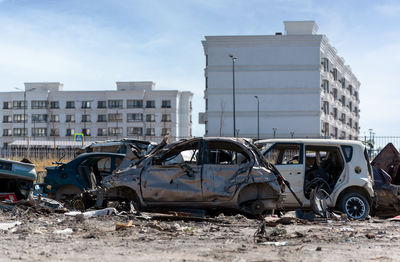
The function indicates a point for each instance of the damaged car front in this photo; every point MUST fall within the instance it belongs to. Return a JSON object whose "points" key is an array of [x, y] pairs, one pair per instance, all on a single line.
{"points": [[16, 179], [200, 173]]}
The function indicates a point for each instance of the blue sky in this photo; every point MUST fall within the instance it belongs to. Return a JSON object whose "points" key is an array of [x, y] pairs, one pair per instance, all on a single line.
{"points": [[91, 44]]}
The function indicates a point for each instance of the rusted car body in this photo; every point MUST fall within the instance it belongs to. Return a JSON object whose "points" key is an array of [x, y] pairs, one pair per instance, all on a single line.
{"points": [[386, 166], [200, 173]]}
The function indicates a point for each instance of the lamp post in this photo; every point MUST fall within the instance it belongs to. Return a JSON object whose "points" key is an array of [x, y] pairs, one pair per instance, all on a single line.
{"points": [[258, 117], [274, 129], [233, 93], [31, 89]]}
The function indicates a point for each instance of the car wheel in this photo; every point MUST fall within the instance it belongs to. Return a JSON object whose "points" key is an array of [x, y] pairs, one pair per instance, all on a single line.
{"points": [[354, 205]]}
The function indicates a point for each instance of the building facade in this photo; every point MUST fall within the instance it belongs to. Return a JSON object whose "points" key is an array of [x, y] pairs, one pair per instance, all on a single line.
{"points": [[303, 87], [134, 109]]}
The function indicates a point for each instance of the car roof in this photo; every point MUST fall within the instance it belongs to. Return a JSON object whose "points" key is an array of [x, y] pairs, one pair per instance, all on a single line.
{"points": [[311, 141], [99, 154]]}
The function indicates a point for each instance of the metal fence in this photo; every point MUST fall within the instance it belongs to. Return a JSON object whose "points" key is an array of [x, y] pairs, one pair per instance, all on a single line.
{"points": [[376, 143], [38, 154]]}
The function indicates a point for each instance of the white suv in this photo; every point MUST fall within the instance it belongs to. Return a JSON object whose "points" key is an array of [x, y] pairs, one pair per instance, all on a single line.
{"points": [[340, 167]]}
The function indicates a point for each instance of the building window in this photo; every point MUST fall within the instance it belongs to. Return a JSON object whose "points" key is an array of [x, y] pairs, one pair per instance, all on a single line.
{"points": [[101, 118], [102, 132], [134, 103], [101, 104], [190, 105], [325, 85], [166, 118], [86, 131], [70, 119], [134, 131], [335, 94], [115, 103], [20, 118], [85, 118], [343, 118], [115, 117], [326, 107], [39, 118], [39, 131], [166, 104], [150, 118], [325, 64], [150, 132], [135, 117], [150, 104], [343, 83], [325, 129], [335, 74], [166, 131], [42, 104], [114, 131], [54, 132], [350, 105], [54, 118], [350, 88], [70, 104], [86, 104], [54, 105], [350, 123], [7, 119], [19, 132], [335, 113], [7, 105], [343, 100], [19, 104], [70, 132], [7, 132]]}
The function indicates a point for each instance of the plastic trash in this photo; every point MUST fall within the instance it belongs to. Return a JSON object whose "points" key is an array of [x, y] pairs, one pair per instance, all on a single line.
{"points": [[64, 231], [88, 214], [7, 226]]}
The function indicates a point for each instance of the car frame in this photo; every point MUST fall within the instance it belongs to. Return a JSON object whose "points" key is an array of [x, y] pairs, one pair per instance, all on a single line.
{"points": [[340, 167], [200, 173], [66, 180]]}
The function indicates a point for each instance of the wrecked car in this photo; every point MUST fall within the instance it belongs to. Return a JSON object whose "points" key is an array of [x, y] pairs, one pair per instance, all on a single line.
{"points": [[16, 179], [84, 172], [386, 177], [338, 167], [199, 173]]}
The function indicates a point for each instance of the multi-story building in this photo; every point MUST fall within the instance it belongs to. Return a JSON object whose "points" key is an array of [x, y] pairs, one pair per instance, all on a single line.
{"points": [[134, 110], [303, 87]]}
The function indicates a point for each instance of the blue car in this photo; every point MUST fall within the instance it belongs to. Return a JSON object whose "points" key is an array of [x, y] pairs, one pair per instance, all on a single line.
{"points": [[84, 172]]}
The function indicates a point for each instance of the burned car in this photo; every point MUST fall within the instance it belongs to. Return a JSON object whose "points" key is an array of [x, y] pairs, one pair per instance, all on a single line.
{"points": [[338, 167], [386, 177], [16, 179], [84, 172], [199, 173]]}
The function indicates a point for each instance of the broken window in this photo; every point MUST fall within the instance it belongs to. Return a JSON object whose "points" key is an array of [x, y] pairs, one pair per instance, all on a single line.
{"points": [[284, 154], [182, 153], [224, 153], [324, 165]]}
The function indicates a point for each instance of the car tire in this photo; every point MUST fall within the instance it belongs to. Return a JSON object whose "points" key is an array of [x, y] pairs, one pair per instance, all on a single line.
{"points": [[354, 205]]}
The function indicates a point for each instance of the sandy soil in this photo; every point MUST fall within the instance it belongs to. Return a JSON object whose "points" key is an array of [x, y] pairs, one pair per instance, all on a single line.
{"points": [[162, 238]]}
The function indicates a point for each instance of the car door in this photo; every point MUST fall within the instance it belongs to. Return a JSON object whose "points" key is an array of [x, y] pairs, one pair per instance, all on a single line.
{"points": [[288, 158], [225, 164], [174, 175]]}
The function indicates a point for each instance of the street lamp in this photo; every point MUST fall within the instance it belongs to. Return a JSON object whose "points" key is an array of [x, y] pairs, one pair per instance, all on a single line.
{"points": [[258, 117], [31, 89], [233, 93]]}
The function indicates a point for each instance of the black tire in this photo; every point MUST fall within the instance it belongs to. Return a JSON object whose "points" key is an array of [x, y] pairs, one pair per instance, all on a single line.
{"points": [[354, 205]]}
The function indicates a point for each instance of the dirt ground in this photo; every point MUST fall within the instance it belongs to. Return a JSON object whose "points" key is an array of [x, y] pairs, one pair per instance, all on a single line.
{"points": [[57, 237]]}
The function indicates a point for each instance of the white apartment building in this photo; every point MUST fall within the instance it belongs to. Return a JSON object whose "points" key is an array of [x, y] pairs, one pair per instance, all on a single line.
{"points": [[303, 86], [134, 110]]}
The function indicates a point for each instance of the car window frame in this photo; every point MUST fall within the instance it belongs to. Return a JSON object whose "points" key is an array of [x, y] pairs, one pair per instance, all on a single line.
{"points": [[301, 152]]}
